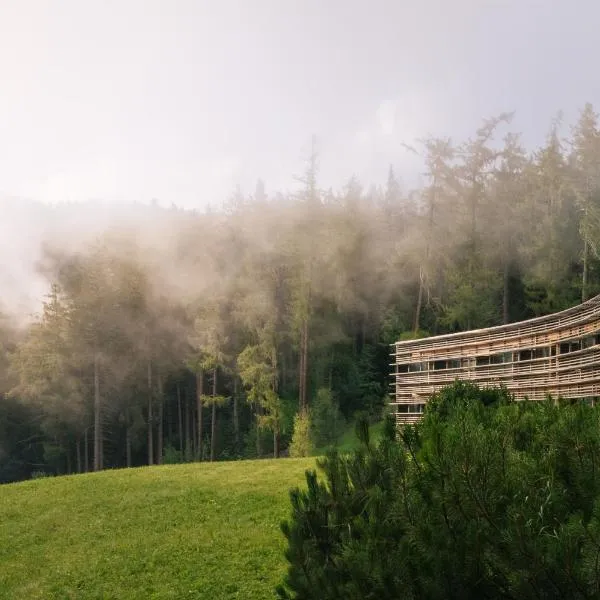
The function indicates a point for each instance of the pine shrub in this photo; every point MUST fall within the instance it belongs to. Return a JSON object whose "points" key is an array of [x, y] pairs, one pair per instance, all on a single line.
{"points": [[485, 498]]}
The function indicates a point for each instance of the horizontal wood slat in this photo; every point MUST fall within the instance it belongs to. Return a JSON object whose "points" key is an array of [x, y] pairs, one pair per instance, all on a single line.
{"points": [[573, 374]]}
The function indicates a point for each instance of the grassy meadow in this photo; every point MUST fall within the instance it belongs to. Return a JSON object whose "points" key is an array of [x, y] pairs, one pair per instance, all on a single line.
{"points": [[179, 531]]}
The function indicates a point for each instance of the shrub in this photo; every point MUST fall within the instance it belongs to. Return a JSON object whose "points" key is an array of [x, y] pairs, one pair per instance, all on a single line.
{"points": [[326, 420], [485, 498], [172, 456], [301, 444]]}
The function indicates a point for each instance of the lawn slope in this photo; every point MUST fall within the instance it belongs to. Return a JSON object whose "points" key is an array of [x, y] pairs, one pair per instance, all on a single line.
{"points": [[181, 531]]}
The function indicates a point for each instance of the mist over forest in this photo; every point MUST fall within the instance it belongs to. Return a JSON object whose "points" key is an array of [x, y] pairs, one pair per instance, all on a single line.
{"points": [[141, 333]]}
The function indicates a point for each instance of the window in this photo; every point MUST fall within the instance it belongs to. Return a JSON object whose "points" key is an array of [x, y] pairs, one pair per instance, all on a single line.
{"points": [[589, 341], [482, 361], [410, 408], [496, 359], [525, 355], [540, 352], [567, 347]]}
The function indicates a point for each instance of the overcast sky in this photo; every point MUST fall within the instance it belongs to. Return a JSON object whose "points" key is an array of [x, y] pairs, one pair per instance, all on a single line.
{"points": [[182, 100]]}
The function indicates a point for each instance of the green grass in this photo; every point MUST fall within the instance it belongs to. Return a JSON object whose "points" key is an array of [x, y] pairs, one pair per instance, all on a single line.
{"points": [[181, 531]]}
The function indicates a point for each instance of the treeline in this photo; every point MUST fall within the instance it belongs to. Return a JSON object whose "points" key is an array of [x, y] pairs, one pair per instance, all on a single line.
{"points": [[183, 336]]}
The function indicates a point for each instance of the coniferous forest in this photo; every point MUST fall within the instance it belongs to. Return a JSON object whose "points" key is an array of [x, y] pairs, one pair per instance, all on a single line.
{"points": [[177, 335]]}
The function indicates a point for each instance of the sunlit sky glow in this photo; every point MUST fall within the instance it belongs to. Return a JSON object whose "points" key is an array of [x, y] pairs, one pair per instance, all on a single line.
{"points": [[129, 100]]}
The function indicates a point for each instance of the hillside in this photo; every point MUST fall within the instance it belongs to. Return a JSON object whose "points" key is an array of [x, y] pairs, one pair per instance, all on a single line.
{"points": [[181, 531]]}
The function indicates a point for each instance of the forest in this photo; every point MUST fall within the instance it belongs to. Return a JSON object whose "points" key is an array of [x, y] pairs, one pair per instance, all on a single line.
{"points": [[260, 328]]}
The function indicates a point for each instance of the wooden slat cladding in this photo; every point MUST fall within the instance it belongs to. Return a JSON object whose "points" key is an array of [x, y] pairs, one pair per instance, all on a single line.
{"points": [[556, 354]]}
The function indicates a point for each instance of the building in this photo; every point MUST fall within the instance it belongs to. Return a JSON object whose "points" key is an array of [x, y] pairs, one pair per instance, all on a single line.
{"points": [[557, 354]]}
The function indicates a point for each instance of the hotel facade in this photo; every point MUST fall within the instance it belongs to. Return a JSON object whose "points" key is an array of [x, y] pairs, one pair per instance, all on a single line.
{"points": [[557, 354]]}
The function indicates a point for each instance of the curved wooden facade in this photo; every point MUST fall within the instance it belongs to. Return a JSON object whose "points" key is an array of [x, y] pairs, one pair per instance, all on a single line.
{"points": [[557, 354]]}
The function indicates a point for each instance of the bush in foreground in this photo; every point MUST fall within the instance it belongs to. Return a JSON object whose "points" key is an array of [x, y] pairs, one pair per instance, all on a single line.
{"points": [[485, 498]]}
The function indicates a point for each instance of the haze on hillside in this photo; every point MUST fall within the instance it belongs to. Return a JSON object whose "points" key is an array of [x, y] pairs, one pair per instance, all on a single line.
{"points": [[185, 101]]}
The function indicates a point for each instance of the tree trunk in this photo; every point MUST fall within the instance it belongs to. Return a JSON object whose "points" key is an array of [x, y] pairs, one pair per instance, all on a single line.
{"points": [[276, 436], [213, 423], [68, 456], [160, 420], [258, 444], [236, 417], [170, 423], [188, 428], [78, 452], [506, 293], [150, 423], [432, 203], [584, 278], [363, 331], [200, 406], [284, 370], [102, 449], [275, 387], [301, 371], [417, 322], [305, 367], [86, 446], [179, 418], [97, 417], [128, 444]]}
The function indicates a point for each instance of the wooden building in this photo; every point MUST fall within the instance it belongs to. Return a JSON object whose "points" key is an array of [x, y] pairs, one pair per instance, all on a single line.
{"points": [[557, 354]]}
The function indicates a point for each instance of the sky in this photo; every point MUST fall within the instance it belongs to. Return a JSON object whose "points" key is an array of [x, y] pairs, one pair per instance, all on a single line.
{"points": [[180, 101]]}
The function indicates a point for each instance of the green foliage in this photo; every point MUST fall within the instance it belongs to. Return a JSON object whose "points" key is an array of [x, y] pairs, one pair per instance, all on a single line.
{"points": [[370, 385], [348, 442], [358, 381], [258, 373], [172, 456], [412, 335], [301, 443], [474, 294], [249, 443], [485, 498], [218, 400], [326, 421]]}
